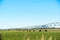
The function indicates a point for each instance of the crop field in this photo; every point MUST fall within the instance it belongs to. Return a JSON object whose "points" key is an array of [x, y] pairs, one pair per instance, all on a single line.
{"points": [[21, 35]]}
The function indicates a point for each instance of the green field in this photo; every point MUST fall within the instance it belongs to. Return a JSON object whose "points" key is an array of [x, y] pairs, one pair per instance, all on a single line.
{"points": [[17, 35]]}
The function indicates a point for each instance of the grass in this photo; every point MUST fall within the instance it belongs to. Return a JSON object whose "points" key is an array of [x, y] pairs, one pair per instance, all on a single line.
{"points": [[17, 35]]}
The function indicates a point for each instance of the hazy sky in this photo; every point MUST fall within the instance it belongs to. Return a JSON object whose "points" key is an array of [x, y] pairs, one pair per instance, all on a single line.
{"points": [[19, 13]]}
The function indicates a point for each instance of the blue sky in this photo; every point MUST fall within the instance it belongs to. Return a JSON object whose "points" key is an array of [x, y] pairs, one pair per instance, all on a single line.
{"points": [[21, 13]]}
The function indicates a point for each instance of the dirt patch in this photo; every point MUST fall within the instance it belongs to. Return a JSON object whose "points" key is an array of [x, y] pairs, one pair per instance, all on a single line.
{"points": [[42, 37], [50, 38]]}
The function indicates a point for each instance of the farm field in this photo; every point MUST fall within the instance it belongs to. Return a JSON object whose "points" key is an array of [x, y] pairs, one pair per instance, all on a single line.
{"points": [[21, 35]]}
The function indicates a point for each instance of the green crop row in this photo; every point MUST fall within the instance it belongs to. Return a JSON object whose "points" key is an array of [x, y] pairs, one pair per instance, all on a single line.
{"points": [[16, 35]]}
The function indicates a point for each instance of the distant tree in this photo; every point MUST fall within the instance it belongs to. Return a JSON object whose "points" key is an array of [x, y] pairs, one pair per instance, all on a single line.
{"points": [[23, 30], [39, 30], [29, 30], [8, 29], [45, 30], [33, 30]]}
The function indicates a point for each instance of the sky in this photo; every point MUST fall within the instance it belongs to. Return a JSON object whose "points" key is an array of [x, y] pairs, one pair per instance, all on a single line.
{"points": [[22, 13]]}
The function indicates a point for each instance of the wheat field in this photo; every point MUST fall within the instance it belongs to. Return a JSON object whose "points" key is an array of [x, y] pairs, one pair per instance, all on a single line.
{"points": [[24, 35]]}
